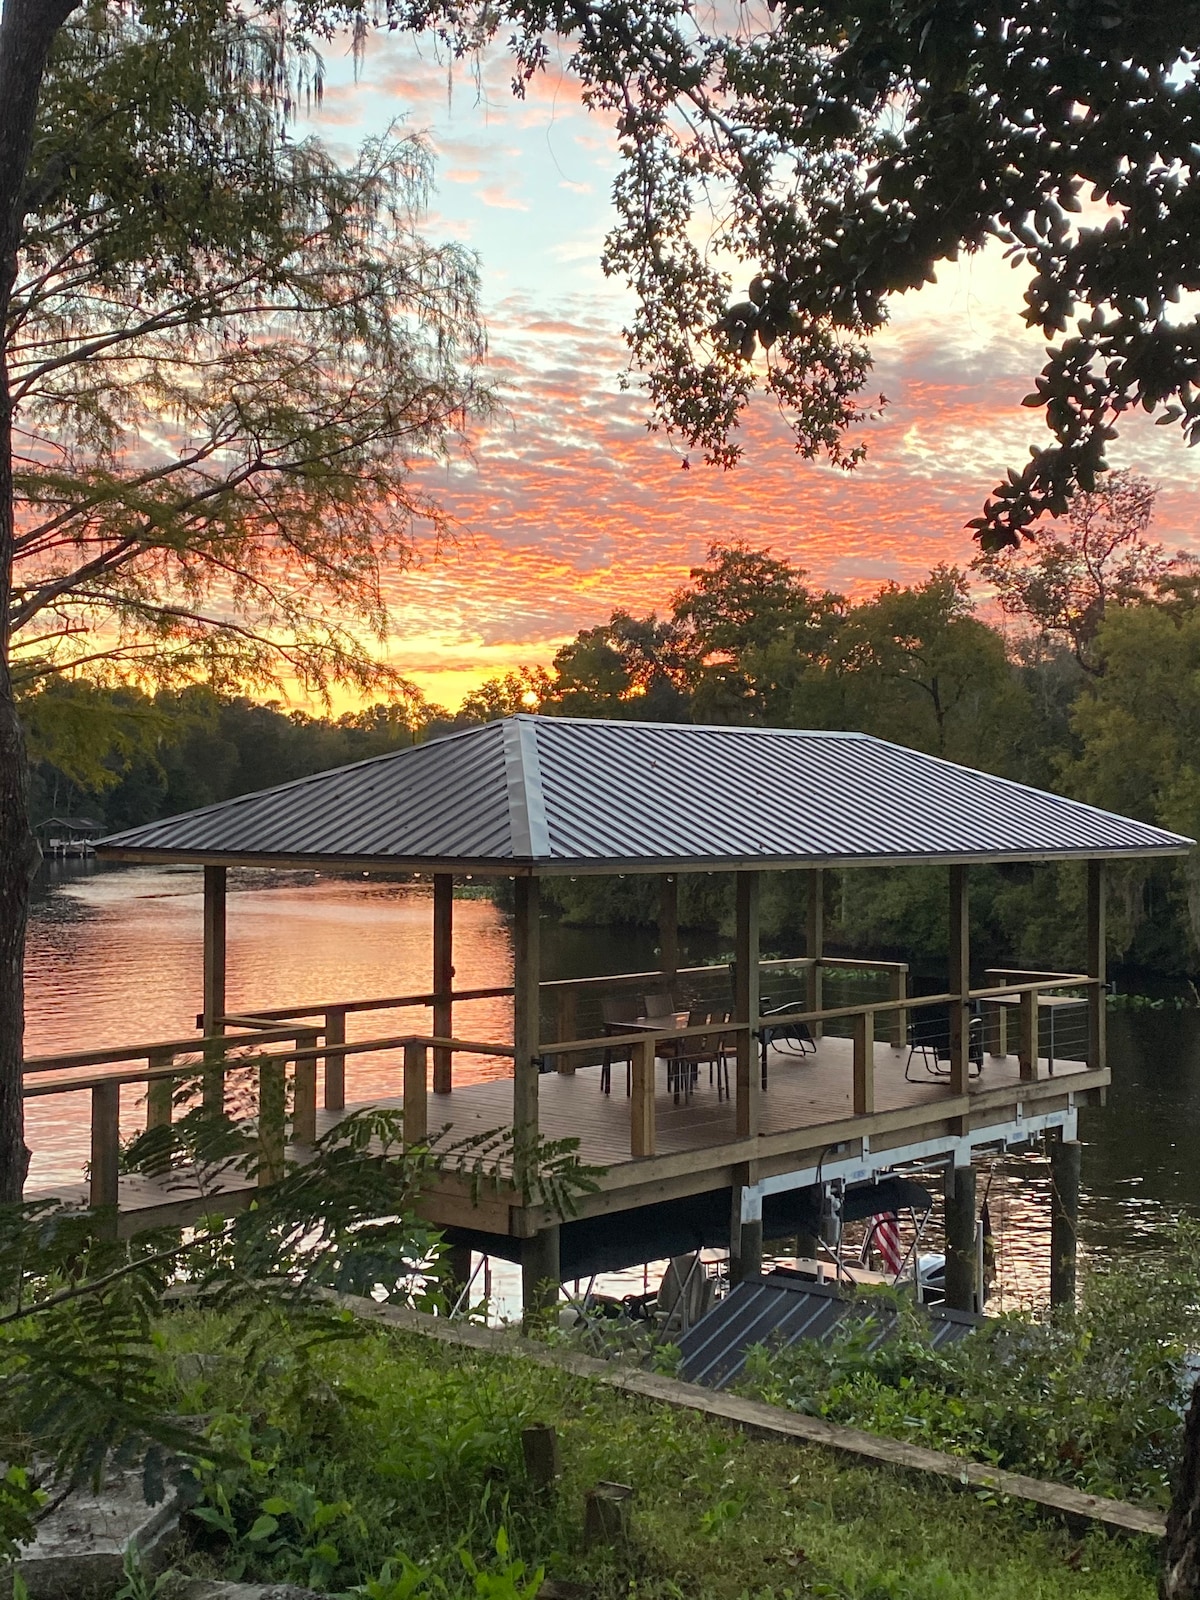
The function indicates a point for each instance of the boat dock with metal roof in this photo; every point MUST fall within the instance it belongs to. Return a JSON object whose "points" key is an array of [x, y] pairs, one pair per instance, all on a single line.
{"points": [[817, 1091]]}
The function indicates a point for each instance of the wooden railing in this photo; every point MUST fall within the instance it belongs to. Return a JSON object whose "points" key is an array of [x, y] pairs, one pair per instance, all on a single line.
{"points": [[162, 1066], [643, 1046], [312, 1034]]}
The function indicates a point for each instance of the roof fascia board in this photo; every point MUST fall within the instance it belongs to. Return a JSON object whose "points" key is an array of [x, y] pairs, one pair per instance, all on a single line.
{"points": [[526, 867]]}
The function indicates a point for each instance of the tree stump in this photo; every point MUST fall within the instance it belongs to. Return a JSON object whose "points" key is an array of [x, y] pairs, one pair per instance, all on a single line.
{"points": [[606, 1515], [1181, 1564], [539, 1446]]}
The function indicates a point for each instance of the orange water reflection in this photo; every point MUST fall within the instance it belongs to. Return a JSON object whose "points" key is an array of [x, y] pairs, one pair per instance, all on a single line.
{"points": [[115, 957]]}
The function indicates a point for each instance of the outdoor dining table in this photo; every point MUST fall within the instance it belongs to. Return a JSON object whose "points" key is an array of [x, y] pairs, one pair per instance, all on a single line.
{"points": [[672, 1019]]}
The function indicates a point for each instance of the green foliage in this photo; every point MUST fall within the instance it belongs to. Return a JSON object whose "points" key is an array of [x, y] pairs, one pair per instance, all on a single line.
{"points": [[412, 1452], [227, 349], [1092, 1399], [834, 156], [82, 1380]]}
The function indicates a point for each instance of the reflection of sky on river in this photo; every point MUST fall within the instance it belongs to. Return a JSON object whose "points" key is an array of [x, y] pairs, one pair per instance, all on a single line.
{"points": [[115, 956]]}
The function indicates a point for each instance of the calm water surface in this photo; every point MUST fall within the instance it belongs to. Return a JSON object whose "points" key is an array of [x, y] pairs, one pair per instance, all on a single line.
{"points": [[115, 956]]}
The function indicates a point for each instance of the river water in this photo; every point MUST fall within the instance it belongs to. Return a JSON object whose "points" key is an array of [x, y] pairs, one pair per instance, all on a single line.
{"points": [[114, 956]]}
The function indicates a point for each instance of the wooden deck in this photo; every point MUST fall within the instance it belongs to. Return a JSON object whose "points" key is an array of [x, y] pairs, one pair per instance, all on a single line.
{"points": [[807, 1107]]}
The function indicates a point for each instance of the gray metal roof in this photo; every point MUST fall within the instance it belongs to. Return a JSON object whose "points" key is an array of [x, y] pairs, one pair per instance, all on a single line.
{"points": [[567, 795], [783, 1308]]}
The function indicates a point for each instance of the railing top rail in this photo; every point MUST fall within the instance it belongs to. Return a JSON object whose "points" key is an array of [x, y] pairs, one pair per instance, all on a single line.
{"points": [[69, 1059], [858, 963], [1035, 974], [198, 1063], [386, 1003], [659, 978], [1009, 991]]}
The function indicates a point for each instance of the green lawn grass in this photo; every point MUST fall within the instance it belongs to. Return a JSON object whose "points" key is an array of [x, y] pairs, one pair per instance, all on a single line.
{"points": [[373, 1463]]}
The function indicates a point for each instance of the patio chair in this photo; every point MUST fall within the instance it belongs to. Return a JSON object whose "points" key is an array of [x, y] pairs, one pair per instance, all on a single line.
{"points": [[686, 1056], [659, 1007], [614, 1011], [929, 1038], [791, 1039]]}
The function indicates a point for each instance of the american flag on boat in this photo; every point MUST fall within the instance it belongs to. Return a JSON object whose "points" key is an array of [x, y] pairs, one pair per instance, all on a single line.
{"points": [[887, 1241]]}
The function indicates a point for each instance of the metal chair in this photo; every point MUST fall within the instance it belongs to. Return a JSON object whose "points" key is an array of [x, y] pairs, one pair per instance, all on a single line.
{"points": [[615, 1011], [686, 1056], [929, 1038], [791, 1038]]}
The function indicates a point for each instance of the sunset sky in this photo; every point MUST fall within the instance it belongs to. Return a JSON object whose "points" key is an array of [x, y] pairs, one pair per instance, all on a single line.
{"points": [[570, 507]]}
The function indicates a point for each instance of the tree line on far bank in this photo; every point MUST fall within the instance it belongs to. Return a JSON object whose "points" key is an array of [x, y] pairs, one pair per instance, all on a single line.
{"points": [[1089, 683]]}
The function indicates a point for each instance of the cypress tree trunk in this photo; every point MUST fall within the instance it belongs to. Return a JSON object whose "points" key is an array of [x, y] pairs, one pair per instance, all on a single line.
{"points": [[27, 30], [1181, 1565]]}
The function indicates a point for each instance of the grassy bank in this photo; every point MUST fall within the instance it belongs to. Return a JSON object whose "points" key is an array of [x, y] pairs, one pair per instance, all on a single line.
{"points": [[1089, 1398], [391, 1467]]}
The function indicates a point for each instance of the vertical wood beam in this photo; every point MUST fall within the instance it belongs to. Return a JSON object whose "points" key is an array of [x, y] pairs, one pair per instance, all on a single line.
{"points": [[814, 947], [960, 980], [526, 1027], [1097, 957], [1065, 1168], [106, 1144], [863, 1034], [541, 1274], [272, 1118], [746, 1002], [160, 1092], [304, 1092], [214, 982], [335, 1059], [668, 928], [568, 1007], [641, 1100], [961, 1288], [416, 1094], [898, 1021], [443, 979], [1027, 1036]]}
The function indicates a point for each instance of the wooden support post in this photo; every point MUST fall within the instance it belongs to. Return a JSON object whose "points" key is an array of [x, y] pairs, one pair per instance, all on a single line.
{"points": [[106, 1144], [540, 1273], [443, 979], [272, 1121], [160, 1092], [641, 1099], [304, 1092], [416, 1094], [668, 928], [526, 1029], [1097, 942], [960, 981], [606, 1516], [815, 946], [539, 1447], [863, 1034], [998, 1029], [456, 1263], [1065, 1164], [960, 1239], [746, 1003], [745, 1232], [1027, 1036], [568, 1007], [214, 983], [898, 1021], [335, 1059]]}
